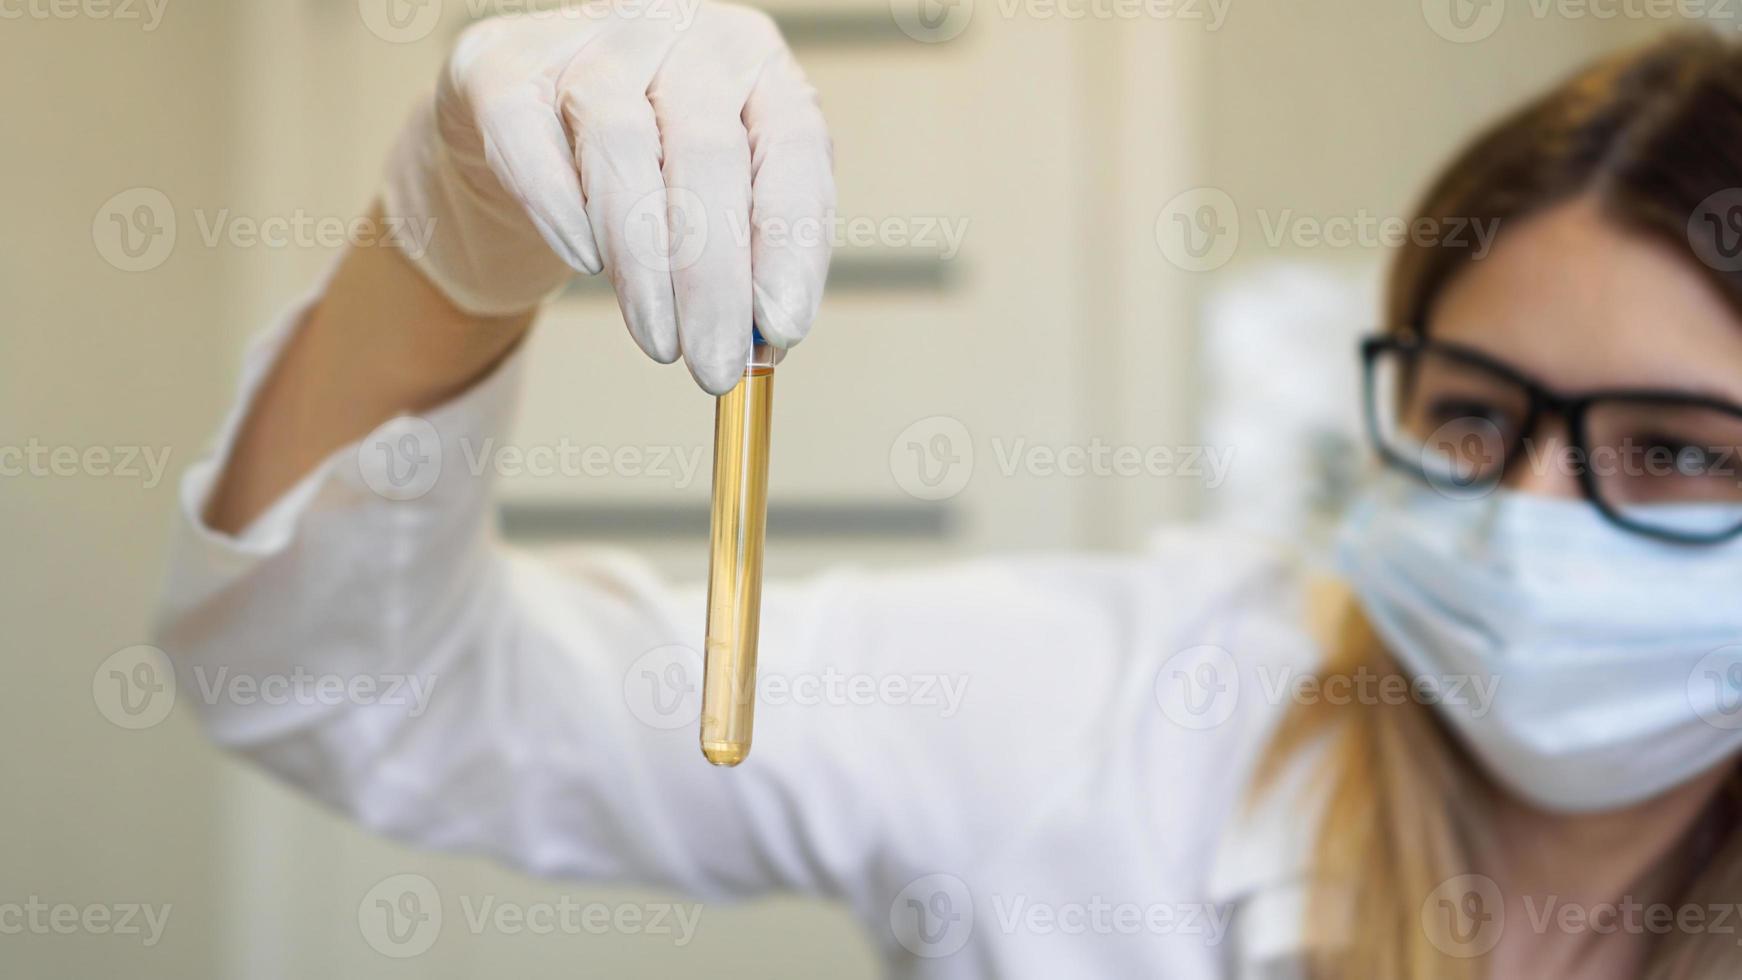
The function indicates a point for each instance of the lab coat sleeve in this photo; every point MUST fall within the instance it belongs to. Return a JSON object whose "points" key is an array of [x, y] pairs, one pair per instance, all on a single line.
{"points": [[444, 691]]}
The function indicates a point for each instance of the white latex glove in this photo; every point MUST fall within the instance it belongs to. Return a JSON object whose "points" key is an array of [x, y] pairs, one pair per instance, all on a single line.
{"points": [[687, 160]]}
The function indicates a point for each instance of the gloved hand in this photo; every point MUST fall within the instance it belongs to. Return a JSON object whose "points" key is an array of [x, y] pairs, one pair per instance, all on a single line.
{"points": [[687, 160]]}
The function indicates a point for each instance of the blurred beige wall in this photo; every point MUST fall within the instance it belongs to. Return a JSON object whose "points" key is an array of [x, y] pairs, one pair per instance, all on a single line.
{"points": [[91, 814], [1062, 141], [1340, 109]]}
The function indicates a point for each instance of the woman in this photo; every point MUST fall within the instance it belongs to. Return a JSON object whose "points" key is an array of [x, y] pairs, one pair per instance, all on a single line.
{"points": [[1195, 762]]}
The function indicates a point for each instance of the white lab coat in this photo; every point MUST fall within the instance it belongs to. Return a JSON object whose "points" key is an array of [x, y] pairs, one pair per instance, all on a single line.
{"points": [[1061, 822]]}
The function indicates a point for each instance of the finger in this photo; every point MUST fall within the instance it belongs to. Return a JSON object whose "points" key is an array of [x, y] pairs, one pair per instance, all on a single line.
{"points": [[707, 181], [500, 69], [603, 99], [792, 200], [528, 151]]}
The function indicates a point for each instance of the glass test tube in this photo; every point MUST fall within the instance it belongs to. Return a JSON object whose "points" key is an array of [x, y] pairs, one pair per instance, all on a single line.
{"points": [[740, 513]]}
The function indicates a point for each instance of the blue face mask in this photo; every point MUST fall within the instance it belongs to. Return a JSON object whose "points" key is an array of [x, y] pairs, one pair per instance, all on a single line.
{"points": [[1611, 663]]}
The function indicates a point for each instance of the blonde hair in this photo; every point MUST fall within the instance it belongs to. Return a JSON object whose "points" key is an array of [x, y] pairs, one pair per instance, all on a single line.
{"points": [[1648, 135]]}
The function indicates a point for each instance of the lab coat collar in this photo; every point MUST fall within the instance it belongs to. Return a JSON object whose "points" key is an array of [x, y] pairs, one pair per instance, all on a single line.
{"points": [[1261, 866]]}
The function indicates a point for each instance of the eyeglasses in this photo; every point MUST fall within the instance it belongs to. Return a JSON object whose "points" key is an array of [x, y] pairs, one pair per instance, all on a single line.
{"points": [[1664, 464]]}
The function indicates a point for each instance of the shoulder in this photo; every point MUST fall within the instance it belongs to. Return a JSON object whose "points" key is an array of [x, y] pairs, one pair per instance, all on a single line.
{"points": [[1223, 676], [1116, 708], [1169, 664], [1234, 638]]}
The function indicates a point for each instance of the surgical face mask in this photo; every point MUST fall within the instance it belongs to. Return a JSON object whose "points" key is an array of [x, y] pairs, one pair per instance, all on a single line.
{"points": [[1612, 663]]}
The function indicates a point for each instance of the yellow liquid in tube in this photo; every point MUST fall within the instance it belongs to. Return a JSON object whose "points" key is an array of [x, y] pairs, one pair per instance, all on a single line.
{"points": [[740, 514]]}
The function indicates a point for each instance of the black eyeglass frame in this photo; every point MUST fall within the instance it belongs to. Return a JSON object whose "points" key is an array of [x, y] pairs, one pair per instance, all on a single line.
{"points": [[1544, 401]]}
